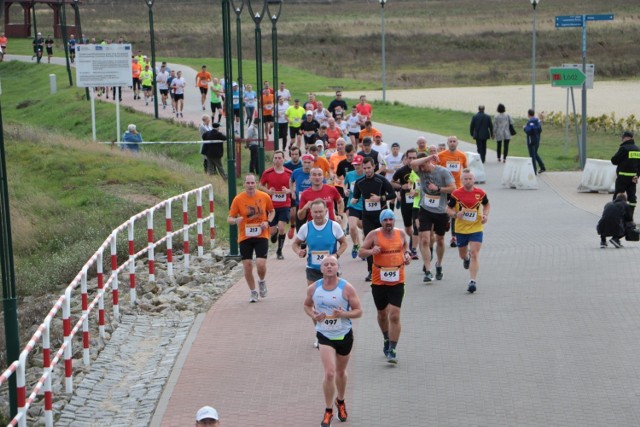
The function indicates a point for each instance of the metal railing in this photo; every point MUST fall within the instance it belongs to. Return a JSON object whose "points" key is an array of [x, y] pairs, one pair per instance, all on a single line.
{"points": [[65, 352]]}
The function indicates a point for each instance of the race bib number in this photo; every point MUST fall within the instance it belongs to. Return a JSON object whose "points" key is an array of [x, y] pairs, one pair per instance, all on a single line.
{"points": [[390, 274], [453, 166], [268, 107], [370, 205], [431, 201], [279, 197], [252, 231], [470, 215], [331, 324], [297, 121], [318, 256], [308, 132], [409, 199]]}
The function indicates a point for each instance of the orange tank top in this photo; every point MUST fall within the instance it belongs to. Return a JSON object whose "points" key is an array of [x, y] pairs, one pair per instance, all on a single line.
{"points": [[388, 265]]}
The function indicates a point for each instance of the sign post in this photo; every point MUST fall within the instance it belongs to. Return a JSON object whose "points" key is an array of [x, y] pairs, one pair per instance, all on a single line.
{"points": [[104, 65], [580, 21]]}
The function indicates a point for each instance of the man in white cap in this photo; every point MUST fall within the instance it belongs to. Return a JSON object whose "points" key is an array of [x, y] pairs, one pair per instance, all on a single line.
{"points": [[207, 416], [388, 247]]}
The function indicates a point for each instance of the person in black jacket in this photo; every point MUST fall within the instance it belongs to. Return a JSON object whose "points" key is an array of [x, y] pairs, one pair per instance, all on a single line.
{"points": [[481, 129], [628, 161], [615, 216], [214, 150]]}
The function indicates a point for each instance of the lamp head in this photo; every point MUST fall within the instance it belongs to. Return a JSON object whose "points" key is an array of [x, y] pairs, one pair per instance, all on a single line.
{"points": [[534, 3], [383, 2]]}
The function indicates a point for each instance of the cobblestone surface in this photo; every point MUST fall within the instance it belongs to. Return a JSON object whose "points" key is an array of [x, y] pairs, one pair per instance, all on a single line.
{"points": [[126, 380]]}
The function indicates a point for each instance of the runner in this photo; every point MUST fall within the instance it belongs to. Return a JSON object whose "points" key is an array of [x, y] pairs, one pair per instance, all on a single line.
{"points": [[454, 161], [321, 236], [355, 122], [401, 180], [178, 84], [375, 191], [300, 181], [355, 210], [38, 47], [294, 162], [318, 190], [388, 247], [203, 79], [48, 43], [267, 111], [136, 69], [251, 211], [470, 206], [215, 100], [161, 82], [172, 77], [332, 303], [393, 162], [146, 80], [435, 182], [275, 182], [295, 114], [3, 45]]}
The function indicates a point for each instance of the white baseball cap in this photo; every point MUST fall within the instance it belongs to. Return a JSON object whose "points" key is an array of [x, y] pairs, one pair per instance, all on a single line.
{"points": [[206, 412]]}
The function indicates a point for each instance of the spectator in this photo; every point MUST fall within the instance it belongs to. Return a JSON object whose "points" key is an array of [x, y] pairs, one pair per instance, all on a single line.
{"points": [[481, 129], [533, 129], [131, 139], [627, 160], [207, 416], [214, 150], [502, 123], [614, 218]]}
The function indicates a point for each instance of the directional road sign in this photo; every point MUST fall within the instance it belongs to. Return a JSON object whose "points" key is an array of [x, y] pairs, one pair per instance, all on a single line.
{"points": [[591, 72], [568, 21], [605, 17], [566, 77]]}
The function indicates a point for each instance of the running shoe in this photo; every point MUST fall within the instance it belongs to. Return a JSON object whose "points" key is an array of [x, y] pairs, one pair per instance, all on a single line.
{"points": [[263, 288], [342, 411], [615, 242], [326, 421], [279, 255], [439, 274], [385, 349], [428, 277], [290, 233], [414, 254], [368, 278], [466, 262], [254, 296], [392, 357], [453, 243], [603, 244], [472, 286], [354, 251], [274, 237]]}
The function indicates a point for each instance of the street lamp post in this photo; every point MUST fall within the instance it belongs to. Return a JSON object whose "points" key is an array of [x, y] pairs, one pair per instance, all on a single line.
{"points": [[534, 3], [79, 32], [257, 18], [274, 57], [238, 12], [228, 108], [384, 58], [153, 58], [65, 39]]}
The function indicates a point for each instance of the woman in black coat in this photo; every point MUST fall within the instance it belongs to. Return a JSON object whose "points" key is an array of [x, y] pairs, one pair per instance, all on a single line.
{"points": [[214, 150]]}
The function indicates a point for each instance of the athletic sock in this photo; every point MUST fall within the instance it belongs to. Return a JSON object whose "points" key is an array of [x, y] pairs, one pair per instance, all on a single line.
{"points": [[340, 401], [392, 345], [280, 242], [386, 335]]}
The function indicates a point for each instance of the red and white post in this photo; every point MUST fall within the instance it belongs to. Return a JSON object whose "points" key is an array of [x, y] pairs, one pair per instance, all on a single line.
{"points": [[151, 247], [114, 276], [86, 360], [132, 263], [100, 274], [212, 228], [185, 233], [199, 226]]}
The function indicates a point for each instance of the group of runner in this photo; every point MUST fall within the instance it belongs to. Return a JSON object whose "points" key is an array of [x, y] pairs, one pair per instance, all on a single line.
{"points": [[325, 195]]}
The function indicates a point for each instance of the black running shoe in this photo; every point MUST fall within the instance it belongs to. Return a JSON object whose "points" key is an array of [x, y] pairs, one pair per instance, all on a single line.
{"points": [[472, 286], [274, 237], [466, 262], [428, 277], [439, 274], [368, 278]]}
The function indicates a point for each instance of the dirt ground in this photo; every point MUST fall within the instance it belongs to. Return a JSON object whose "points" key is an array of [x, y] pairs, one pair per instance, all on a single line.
{"points": [[604, 98]]}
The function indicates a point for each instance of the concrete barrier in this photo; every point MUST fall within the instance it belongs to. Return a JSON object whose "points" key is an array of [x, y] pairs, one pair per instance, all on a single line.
{"points": [[518, 174], [598, 176], [475, 164]]}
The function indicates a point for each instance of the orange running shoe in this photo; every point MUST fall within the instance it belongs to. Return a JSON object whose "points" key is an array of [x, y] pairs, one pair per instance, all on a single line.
{"points": [[291, 231], [342, 411], [326, 421]]}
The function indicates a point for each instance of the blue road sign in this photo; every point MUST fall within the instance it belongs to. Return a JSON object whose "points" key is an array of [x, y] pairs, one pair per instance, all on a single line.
{"points": [[569, 21], [605, 17]]}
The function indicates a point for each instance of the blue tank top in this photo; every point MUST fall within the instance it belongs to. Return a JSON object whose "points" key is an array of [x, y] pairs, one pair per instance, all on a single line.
{"points": [[325, 302], [320, 243]]}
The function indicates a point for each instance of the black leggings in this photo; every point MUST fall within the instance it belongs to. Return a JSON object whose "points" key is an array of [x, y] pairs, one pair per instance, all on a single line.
{"points": [[506, 148]]}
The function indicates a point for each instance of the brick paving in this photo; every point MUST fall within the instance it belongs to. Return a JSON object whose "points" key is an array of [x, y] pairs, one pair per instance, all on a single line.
{"points": [[550, 337]]}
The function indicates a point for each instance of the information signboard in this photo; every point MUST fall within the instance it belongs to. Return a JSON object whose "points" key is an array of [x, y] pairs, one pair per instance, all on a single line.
{"points": [[103, 65]]}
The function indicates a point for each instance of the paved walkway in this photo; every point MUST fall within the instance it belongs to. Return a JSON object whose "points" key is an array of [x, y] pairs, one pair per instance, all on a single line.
{"points": [[550, 338]]}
